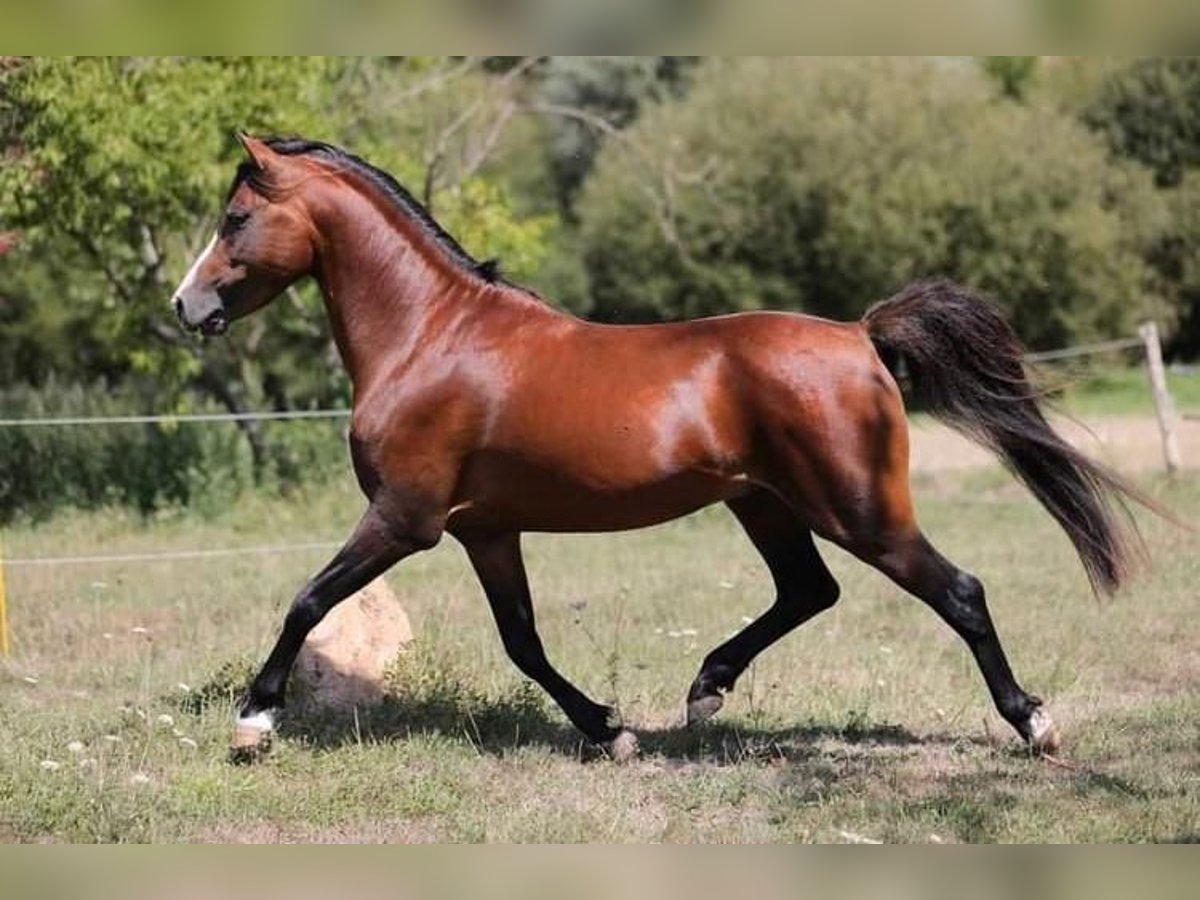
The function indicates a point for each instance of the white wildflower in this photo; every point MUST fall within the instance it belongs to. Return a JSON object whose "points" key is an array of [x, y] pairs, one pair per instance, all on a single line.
{"points": [[855, 838], [76, 746], [165, 720], [49, 765]]}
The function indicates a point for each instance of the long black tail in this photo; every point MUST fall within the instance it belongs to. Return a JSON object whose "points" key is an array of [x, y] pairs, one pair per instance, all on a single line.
{"points": [[962, 363]]}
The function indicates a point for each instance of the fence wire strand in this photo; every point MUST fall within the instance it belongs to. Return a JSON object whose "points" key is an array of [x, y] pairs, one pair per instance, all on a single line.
{"points": [[292, 415], [169, 555]]}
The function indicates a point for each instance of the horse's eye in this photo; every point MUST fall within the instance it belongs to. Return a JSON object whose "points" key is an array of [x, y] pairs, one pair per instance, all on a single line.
{"points": [[234, 220]]}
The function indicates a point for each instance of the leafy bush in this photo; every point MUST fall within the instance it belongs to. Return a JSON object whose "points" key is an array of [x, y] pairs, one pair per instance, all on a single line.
{"points": [[823, 185], [145, 467]]}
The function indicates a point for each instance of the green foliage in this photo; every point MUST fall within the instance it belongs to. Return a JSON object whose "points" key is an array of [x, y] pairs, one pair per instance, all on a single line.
{"points": [[113, 173], [145, 467], [1151, 112], [824, 185], [116, 172], [1177, 259], [1014, 74], [614, 88], [123, 162]]}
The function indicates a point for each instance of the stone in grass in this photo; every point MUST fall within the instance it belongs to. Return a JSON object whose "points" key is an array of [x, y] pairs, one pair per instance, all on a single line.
{"points": [[341, 666]]}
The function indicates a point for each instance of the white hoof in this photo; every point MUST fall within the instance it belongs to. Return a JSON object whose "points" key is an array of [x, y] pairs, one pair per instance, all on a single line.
{"points": [[624, 747], [1043, 735], [252, 736]]}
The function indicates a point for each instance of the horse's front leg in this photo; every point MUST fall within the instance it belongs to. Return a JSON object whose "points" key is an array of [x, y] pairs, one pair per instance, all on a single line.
{"points": [[380, 541], [501, 570]]}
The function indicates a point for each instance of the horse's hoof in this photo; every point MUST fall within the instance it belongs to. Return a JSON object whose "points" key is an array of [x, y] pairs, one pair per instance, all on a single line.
{"points": [[703, 708], [252, 738], [624, 747], [1043, 736]]}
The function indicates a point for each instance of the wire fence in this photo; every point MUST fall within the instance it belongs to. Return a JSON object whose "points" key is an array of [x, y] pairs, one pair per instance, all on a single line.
{"points": [[169, 555], [1084, 350], [1147, 339], [170, 419]]}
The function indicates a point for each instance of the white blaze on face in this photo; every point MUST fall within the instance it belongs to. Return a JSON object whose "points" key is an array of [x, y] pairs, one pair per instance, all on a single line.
{"points": [[190, 278]]}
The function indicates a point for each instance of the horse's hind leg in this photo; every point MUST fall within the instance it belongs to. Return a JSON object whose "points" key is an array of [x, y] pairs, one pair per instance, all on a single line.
{"points": [[497, 560], [803, 588], [958, 597]]}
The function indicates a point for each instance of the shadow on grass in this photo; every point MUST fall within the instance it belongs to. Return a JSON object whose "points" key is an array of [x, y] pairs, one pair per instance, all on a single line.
{"points": [[498, 726], [427, 697]]}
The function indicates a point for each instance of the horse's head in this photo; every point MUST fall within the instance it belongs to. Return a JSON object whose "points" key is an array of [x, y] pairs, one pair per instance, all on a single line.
{"points": [[264, 243]]}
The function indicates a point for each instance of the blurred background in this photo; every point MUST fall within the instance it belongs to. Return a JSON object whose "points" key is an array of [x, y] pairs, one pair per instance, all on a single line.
{"points": [[624, 189]]}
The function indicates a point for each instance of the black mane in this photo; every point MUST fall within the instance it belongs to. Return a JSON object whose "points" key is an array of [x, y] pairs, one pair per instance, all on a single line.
{"points": [[488, 269]]}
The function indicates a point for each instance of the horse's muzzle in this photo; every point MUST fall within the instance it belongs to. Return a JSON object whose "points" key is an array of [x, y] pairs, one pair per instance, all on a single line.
{"points": [[216, 323]]}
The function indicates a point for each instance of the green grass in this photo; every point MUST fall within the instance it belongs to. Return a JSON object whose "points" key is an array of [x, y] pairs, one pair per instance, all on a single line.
{"points": [[1125, 391], [870, 722]]}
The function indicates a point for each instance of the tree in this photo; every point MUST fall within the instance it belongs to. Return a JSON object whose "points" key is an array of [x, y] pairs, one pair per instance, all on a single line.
{"points": [[112, 176], [576, 91], [825, 185], [1151, 112]]}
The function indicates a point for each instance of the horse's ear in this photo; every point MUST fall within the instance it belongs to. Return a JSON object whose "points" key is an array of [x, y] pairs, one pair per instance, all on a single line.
{"points": [[258, 151]]}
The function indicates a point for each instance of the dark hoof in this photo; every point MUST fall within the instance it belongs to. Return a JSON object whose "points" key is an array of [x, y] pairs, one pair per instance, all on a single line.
{"points": [[703, 708]]}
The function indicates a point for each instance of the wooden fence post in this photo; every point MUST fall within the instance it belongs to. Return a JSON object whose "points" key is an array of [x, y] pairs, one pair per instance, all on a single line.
{"points": [[4, 648], [1164, 407]]}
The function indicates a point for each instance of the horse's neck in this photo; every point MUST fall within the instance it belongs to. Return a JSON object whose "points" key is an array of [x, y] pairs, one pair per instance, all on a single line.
{"points": [[388, 292]]}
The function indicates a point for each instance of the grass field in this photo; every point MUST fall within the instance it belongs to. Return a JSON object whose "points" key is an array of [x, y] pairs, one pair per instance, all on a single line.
{"points": [[871, 723], [1123, 391]]}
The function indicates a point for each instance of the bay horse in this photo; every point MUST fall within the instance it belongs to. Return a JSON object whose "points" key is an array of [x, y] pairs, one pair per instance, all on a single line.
{"points": [[482, 411]]}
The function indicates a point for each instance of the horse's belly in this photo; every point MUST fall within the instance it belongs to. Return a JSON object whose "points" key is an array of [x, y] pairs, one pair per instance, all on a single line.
{"points": [[501, 492]]}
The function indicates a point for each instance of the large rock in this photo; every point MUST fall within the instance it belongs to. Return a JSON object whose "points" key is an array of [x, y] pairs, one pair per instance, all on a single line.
{"points": [[341, 665]]}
